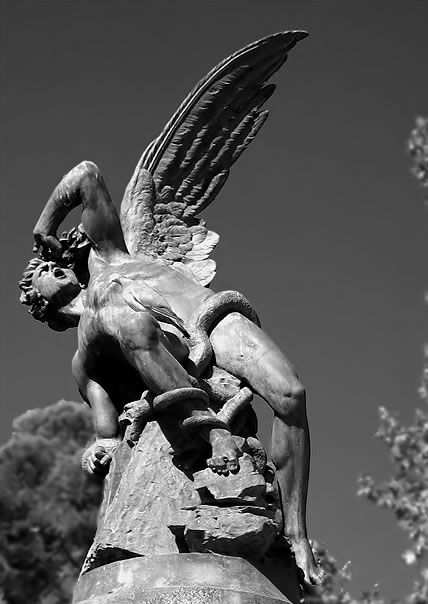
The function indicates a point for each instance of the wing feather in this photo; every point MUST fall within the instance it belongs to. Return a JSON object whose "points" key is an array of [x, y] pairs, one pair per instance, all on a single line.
{"points": [[183, 170]]}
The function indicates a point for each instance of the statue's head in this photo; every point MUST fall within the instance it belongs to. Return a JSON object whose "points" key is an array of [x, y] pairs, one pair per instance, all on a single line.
{"points": [[46, 288]]}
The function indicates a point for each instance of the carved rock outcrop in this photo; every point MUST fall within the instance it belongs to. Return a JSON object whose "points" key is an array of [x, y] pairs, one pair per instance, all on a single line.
{"points": [[152, 507]]}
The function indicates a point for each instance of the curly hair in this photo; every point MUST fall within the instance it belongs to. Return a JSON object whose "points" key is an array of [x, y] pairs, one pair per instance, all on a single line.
{"points": [[75, 245], [31, 296]]}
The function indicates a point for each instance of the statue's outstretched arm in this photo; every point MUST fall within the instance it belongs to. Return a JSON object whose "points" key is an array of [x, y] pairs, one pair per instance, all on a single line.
{"points": [[82, 185], [97, 457], [105, 415]]}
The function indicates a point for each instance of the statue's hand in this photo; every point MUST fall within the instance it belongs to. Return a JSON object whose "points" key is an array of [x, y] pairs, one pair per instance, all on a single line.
{"points": [[49, 244], [98, 462]]}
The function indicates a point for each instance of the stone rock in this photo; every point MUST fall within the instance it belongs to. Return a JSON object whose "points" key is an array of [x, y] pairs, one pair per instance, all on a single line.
{"points": [[235, 531], [247, 487]]}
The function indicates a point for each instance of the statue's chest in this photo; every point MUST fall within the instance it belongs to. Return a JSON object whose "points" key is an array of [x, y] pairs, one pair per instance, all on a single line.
{"points": [[103, 292]]}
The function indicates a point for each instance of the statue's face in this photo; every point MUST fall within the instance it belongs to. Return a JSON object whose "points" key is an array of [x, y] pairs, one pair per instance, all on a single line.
{"points": [[56, 284]]}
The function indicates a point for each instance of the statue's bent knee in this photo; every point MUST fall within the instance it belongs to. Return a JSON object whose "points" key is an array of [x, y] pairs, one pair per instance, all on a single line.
{"points": [[291, 404], [88, 168]]}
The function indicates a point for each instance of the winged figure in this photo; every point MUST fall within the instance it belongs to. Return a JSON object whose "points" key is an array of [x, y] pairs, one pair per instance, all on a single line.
{"points": [[137, 287]]}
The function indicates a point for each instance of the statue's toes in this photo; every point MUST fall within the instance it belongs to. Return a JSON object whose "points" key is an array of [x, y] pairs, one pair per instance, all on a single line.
{"points": [[217, 464], [234, 465], [312, 575]]}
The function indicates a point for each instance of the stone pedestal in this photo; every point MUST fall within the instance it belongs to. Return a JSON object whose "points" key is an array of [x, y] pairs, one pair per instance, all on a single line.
{"points": [[177, 579]]}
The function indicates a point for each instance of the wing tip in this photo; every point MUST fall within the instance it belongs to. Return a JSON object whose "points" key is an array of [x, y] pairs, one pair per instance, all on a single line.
{"points": [[281, 42], [297, 34], [288, 37], [293, 37]]}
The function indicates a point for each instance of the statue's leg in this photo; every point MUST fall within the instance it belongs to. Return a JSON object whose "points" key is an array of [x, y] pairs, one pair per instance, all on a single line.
{"points": [[244, 350], [143, 344]]}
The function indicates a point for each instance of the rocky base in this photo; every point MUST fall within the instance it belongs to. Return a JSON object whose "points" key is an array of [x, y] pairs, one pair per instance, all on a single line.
{"points": [[151, 507]]}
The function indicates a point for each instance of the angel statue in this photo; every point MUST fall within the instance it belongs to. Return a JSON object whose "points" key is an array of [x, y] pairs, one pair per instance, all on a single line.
{"points": [[137, 288]]}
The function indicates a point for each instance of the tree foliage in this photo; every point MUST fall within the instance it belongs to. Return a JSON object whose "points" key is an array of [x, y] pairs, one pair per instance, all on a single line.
{"points": [[406, 492], [418, 150], [48, 506], [335, 589]]}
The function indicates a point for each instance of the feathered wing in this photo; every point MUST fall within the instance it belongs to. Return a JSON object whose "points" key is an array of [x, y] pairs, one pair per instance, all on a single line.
{"points": [[182, 171]]}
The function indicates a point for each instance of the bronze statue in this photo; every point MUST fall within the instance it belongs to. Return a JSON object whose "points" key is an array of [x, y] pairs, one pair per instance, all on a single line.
{"points": [[137, 289]]}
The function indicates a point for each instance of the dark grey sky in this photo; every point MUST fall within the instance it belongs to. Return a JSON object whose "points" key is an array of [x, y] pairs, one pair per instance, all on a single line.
{"points": [[321, 225]]}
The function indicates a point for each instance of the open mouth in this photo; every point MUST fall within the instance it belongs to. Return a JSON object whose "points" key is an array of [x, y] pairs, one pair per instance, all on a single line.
{"points": [[58, 273]]}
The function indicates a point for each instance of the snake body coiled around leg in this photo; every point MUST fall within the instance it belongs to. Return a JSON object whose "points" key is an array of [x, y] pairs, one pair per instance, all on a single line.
{"points": [[202, 321]]}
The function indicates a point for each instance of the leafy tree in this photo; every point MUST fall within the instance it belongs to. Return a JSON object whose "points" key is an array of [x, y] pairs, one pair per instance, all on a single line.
{"points": [[335, 589], [48, 506], [406, 492], [418, 150]]}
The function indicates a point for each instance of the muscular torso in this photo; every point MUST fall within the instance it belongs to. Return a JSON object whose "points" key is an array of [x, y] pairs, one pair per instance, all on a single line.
{"points": [[107, 312]]}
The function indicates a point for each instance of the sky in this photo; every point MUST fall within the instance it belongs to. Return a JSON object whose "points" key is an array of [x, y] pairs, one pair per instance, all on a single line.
{"points": [[322, 225]]}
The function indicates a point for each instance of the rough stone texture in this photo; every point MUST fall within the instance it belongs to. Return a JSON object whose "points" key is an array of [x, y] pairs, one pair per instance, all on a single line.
{"points": [[184, 595], [144, 494], [151, 507], [238, 517], [178, 579], [245, 487], [236, 531]]}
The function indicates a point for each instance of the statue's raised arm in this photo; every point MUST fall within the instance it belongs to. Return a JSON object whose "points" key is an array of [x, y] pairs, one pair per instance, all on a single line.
{"points": [[85, 186]]}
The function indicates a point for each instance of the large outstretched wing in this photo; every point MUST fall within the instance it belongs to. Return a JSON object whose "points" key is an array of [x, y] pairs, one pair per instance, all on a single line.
{"points": [[182, 171]]}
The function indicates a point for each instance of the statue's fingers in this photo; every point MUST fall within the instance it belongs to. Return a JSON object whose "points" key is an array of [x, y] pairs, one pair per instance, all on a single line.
{"points": [[53, 245], [99, 470], [105, 460], [99, 452], [38, 243]]}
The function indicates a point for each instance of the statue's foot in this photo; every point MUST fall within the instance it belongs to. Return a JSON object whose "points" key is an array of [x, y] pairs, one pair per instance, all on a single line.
{"points": [[225, 453], [305, 561]]}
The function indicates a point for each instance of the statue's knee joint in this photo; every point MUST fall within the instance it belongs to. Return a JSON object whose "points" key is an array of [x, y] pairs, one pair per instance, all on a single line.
{"points": [[292, 403], [297, 393]]}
